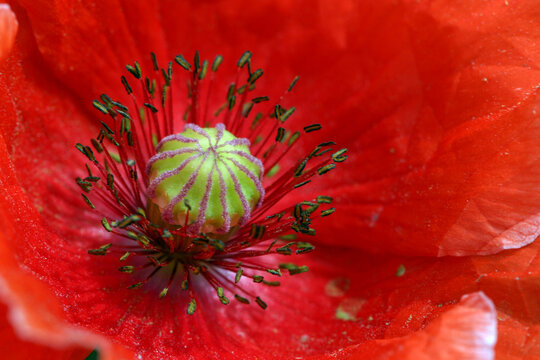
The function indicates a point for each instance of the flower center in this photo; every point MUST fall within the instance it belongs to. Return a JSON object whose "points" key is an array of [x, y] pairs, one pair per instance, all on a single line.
{"points": [[206, 173], [198, 206]]}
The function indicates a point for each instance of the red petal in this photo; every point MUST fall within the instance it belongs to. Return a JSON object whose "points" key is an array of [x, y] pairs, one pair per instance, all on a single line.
{"points": [[441, 123], [510, 279], [12, 346], [429, 126], [467, 331], [35, 311], [93, 295], [8, 30], [437, 153]]}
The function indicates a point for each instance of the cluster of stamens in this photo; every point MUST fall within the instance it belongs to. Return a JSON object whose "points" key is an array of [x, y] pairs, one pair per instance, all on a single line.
{"points": [[187, 196]]}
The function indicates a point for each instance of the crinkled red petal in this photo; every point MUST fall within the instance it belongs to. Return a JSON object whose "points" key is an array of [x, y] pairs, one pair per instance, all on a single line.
{"points": [[34, 310], [432, 110], [464, 332], [355, 303], [8, 30], [444, 122], [14, 348], [357, 298], [441, 121]]}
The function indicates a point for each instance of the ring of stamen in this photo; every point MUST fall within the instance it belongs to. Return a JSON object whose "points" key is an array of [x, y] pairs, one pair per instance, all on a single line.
{"points": [[219, 232]]}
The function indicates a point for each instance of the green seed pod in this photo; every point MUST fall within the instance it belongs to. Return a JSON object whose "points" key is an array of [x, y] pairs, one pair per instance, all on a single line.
{"points": [[206, 173]]}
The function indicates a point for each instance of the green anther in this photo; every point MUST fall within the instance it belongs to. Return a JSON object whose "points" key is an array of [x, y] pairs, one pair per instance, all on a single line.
{"points": [[213, 171], [273, 171], [204, 68], [217, 62], [100, 107], [340, 156], [302, 184], [106, 225], [134, 70], [97, 145], [255, 76], [115, 157], [184, 285], [192, 306], [241, 299], [127, 221], [238, 275], [244, 59], [126, 85], [324, 199], [217, 244], [293, 138], [261, 303], [182, 62], [274, 272], [305, 250], [135, 286], [154, 61], [246, 109], [88, 202], [326, 169], [327, 212], [163, 292], [127, 269], [298, 270], [401, 270], [286, 114], [295, 80], [102, 250], [287, 266], [260, 99], [284, 250]]}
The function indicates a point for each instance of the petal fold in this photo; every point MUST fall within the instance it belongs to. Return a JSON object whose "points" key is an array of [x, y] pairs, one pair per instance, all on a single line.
{"points": [[8, 30]]}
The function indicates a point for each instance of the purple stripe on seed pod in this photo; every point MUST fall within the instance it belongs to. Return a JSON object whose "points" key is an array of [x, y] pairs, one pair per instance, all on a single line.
{"points": [[224, 205], [236, 142], [177, 137], [151, 191], [197, 226], [252, 177], [199, 131], [238, 188], [167, 154], [248, 156], [220, 128], [168, 213]]}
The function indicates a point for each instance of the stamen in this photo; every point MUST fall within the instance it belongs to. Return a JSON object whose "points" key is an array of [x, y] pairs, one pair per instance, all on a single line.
{"points": [[189, 198]]}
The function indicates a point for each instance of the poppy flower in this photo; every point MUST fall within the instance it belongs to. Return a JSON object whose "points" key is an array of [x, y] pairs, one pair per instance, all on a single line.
{"points": [[436, 104]]}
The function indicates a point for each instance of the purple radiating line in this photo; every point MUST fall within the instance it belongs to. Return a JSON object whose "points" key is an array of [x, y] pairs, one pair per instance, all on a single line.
{"points": [[248, 156], [236, 142], [199, 131], [151, 191], [177, 137], [220, 128], [245, 205], [224, 205], [250, 175], [168, 213], [197, 225], [165, 155]]}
